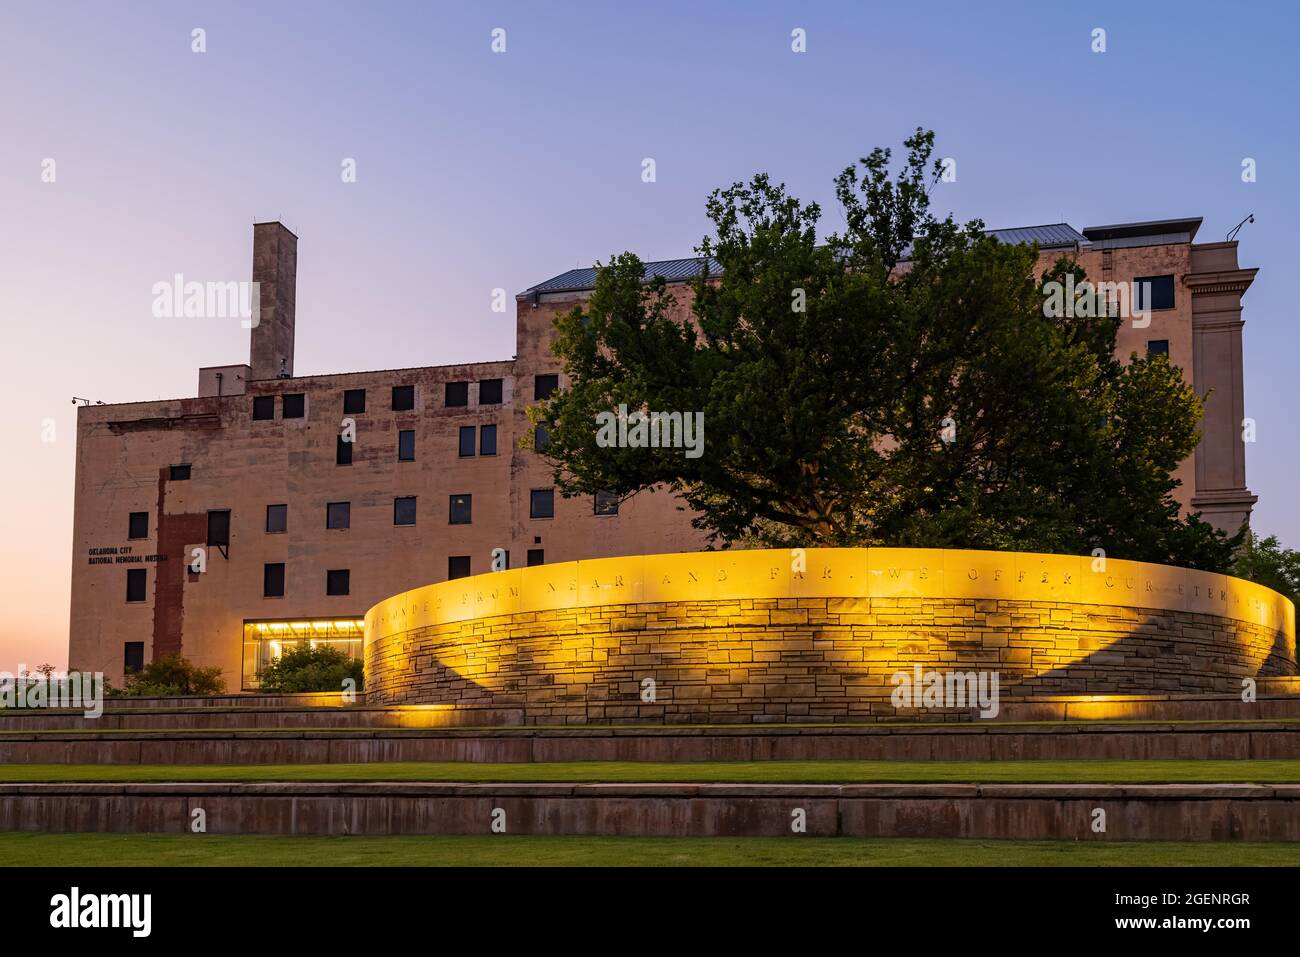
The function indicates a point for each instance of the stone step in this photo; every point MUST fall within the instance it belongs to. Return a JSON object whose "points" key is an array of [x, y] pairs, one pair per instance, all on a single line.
{"points": [[1182, 812], [1235, 740]]}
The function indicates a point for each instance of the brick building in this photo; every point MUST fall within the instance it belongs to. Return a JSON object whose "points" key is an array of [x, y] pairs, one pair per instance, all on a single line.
{"points": [[300, 532]]}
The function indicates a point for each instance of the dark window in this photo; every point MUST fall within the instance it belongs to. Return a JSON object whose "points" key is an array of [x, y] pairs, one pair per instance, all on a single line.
{"points": [[1157, 290], [338, 515], [338, 581], [219, 527], [461, 509], [1158, 347], [457, 394], [606, 503], [293, 405], [403, 398], [342, 451], [180, 473], [544, 385], [457, 566], [132, 656], [135, 583], [487, 441], [404, 510], [138, 525], [542, 503], [406, 445], [273, 580], [489, 392], [505, 553], [263, 407], [354, 400], [541, 437], [466, 441], [277, 518], [536, 556]]}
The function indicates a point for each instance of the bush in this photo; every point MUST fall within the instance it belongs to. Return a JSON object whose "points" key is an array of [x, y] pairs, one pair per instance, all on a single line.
{"points": [[311, 669], [171, 677]]}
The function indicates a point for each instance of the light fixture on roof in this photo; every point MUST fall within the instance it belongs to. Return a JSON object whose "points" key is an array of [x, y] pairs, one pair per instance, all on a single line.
{"points": [[1232, 234]]}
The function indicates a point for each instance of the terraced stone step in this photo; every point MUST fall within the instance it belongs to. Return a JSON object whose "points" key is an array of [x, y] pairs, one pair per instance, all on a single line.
{"points": [[1228, 740], [1278, 699], [1202, 812]]}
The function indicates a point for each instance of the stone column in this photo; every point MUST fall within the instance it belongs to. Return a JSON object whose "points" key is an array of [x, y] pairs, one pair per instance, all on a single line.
{"points": [[1216, 285]]}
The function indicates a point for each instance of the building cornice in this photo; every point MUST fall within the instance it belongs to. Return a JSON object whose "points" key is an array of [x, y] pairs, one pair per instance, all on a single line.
{"points": [[1221, 282]]}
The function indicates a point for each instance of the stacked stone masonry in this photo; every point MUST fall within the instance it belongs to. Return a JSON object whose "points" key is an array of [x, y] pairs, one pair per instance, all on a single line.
{"points": [[807, 659]]}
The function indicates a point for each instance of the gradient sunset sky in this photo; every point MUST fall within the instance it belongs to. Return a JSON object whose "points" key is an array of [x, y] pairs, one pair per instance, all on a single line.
{"points": [[478, 170]]}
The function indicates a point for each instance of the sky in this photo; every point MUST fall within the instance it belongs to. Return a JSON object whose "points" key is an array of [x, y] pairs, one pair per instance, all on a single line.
{"points": [[478, 170]]}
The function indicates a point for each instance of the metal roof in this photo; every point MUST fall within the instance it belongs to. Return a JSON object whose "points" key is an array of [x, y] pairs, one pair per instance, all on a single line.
{"points": [[1050, 236], [674, 270], [1047, 237]]}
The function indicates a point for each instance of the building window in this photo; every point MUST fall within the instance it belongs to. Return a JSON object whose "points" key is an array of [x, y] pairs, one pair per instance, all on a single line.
{"points": [[505, 554], [263, 408], [293, 405], [606, 503], [457, 566], [541, 437], [338, 515], [338, 581], [544, 385], [273, 580], [138, 525], [403, 398], [219, 526], [277, 518], [489, 392], [404, 510], [1156, 290], [487, 440], [536, 556], [461, 510], [342, 451], [457, 395], [132, 657], [180, 473], [541, 503], [466, 441], [135, 584], [354, 400], [406, 445], [1158, 347]]}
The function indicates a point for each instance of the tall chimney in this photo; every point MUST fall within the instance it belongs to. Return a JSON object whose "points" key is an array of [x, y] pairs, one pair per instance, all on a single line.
{"points": [[275, 266]]}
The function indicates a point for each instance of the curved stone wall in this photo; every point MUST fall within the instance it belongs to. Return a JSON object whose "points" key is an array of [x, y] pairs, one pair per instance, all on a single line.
{"points": [[816, 634]]}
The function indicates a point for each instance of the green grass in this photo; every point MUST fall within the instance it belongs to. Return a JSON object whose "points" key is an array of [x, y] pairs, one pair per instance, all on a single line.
{"points": [[802, 772], [212, 850]]}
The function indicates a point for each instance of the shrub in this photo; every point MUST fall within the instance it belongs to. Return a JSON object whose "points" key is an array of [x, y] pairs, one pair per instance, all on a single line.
{"points": [[172, 677], [322, 668]]}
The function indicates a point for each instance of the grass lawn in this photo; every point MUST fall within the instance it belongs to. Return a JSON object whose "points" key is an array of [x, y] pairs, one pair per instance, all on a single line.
{"points": [[803, 772], [212, 850]]}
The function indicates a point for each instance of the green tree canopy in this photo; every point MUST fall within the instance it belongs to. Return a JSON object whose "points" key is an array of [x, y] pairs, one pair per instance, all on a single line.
{"points": [[897, 383]]}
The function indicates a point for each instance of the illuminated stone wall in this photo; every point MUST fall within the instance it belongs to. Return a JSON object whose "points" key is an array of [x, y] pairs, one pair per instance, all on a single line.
{"points": [[782, 636]]}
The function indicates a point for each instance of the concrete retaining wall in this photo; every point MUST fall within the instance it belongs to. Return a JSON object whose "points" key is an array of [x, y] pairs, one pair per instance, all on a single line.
{"points": [[1023, 812], [1225, 741]]}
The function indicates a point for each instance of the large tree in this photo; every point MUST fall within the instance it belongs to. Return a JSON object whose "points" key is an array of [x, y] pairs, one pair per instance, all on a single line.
{"points": [[897, 383]]}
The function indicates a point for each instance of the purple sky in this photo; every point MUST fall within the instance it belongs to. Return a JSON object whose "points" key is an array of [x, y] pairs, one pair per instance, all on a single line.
{"points": [[479, 170]]}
